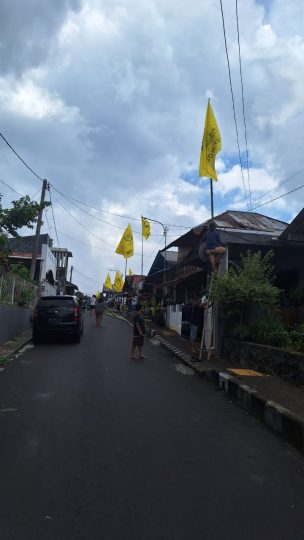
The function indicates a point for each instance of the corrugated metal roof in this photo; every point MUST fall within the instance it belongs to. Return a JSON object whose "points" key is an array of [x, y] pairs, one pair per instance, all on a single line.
{"points": [[235, 221], [244, 220]]}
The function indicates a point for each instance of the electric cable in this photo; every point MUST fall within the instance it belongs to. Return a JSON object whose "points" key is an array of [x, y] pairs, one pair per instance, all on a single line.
{"points": [[243, 100], [112, 213], [277, 186], [53, 216], [10, 187], [19, 157], [280, 197], [233, 104]]}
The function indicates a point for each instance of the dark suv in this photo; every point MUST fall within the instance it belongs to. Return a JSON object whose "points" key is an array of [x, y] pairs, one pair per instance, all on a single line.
{"points": [[57, 315]]}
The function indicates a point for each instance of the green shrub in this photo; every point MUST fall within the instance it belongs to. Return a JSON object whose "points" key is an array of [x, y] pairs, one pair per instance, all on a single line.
{"points": [[297, 337], [244, 285], [270, 332]]}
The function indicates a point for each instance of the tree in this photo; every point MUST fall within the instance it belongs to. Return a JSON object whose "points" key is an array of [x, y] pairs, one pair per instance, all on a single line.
{"points": [[245, 285], [23, 213]]}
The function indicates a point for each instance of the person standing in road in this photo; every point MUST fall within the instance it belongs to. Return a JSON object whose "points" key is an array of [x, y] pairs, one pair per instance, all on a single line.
{"points": [[100, 307], [139, 330], [92, 304]]}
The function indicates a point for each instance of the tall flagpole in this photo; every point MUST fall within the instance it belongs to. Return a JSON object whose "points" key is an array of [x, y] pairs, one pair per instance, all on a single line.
{"points": [[142, 250], [211, 193]]}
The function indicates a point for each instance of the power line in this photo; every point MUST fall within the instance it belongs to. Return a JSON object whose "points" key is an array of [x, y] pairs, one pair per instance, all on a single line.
{"points": [[278, 185], [54, 217], [233, 105], [280, 197], [81, 224], [10, 187], [90, 232], [19, 157], [98, 218], [86, 277], [95, 247], [243, 100], [111, 213]]}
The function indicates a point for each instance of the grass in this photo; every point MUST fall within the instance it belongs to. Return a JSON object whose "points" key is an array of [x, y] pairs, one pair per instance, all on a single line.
{"points": [[3, 359]]}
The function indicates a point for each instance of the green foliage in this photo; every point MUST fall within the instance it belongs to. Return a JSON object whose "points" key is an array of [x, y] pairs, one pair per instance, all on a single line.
{"points": [[270, 332], [23, 213], [20, 270], [249, 283], [26, 296], [297, 337], [295, 296], [240, 331]]}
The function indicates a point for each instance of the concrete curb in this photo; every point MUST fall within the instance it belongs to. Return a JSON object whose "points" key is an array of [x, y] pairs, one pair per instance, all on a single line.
{"points": [[11, 347], [279, 419]]}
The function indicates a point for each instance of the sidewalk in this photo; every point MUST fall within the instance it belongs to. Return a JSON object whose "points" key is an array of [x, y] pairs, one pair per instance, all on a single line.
{"points": [[275, 402]]}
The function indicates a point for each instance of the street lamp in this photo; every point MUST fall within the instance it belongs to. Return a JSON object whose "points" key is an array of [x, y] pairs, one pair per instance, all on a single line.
{"points": [[165, 231]]}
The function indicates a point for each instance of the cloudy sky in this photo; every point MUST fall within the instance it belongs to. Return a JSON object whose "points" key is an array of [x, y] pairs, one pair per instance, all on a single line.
{"points": [[107, 98]]}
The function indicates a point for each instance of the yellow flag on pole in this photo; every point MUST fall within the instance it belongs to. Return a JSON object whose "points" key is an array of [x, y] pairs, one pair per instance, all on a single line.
{"points": [[125, 246], [211, 145], [118, 283], [130, 272], [145, 227], [107, 282]]}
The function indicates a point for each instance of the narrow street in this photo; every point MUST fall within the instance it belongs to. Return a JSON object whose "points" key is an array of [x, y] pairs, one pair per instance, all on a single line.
{"points": [[96, 446]]}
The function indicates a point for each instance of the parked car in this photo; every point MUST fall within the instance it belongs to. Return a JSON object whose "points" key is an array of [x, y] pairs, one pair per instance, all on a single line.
{"points": [[58, 315]]}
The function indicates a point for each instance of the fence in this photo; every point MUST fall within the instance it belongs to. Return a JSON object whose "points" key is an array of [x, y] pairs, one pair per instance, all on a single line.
{"points": [[16, 290]]}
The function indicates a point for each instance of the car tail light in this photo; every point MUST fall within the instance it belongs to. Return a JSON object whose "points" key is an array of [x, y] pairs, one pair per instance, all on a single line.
{"points": [[76, 314]]}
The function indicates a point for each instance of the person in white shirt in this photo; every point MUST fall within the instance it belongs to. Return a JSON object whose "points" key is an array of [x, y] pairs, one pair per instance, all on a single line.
{"points": [[92, 304]]}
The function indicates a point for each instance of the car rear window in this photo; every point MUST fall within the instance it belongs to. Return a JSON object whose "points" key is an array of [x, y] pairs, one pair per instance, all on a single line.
{"points": [[56, 302]]}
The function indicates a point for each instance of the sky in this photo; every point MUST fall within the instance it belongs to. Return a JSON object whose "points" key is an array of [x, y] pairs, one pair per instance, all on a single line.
{"points": [[106, 99]]}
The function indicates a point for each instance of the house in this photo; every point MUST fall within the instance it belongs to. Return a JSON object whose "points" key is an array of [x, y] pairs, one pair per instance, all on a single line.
{"points": [[240, 232], [51, 264]]}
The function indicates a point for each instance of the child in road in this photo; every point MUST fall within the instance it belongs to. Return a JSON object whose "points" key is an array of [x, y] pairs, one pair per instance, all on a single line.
{"points": [[139, 330]]}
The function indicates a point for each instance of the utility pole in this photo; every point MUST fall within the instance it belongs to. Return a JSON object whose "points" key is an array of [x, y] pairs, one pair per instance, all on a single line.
{"points": [[38, 227]]}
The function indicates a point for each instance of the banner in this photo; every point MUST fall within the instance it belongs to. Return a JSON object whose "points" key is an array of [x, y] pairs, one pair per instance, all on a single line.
{"points": [[108, 283], [211, 145], [118, 283], [145, 228], [125, 246]]}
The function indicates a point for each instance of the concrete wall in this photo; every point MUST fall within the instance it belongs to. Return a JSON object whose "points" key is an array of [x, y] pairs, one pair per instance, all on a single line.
{"points": [[286, 364], [13, 321]]}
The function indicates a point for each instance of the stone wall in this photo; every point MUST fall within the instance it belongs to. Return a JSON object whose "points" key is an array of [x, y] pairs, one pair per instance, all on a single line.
{"points": [[13, 321], [288, 365]]}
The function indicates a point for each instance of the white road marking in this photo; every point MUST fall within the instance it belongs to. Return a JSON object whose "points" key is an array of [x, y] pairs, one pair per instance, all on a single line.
{"points": [[155, 342], [184, 370]]}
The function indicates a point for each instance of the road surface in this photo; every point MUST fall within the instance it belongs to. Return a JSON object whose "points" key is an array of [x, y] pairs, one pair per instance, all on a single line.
{"points": [[96, 446]]}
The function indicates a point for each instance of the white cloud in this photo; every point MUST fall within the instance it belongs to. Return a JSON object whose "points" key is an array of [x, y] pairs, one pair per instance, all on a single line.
{"points": [[109, 105]]}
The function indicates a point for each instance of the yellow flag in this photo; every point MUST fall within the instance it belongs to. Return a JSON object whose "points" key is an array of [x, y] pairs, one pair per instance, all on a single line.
{"points": [[118, 283], [130, 272], [125, 246], [145, 227], [107, 282], [211, 145]]}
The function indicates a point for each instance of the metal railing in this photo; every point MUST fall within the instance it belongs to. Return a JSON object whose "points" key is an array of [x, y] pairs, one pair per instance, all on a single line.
{"points": [[16, 290]]}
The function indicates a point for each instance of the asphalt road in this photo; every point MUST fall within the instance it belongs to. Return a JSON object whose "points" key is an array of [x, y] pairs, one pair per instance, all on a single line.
{"points": [[96, 446]]}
